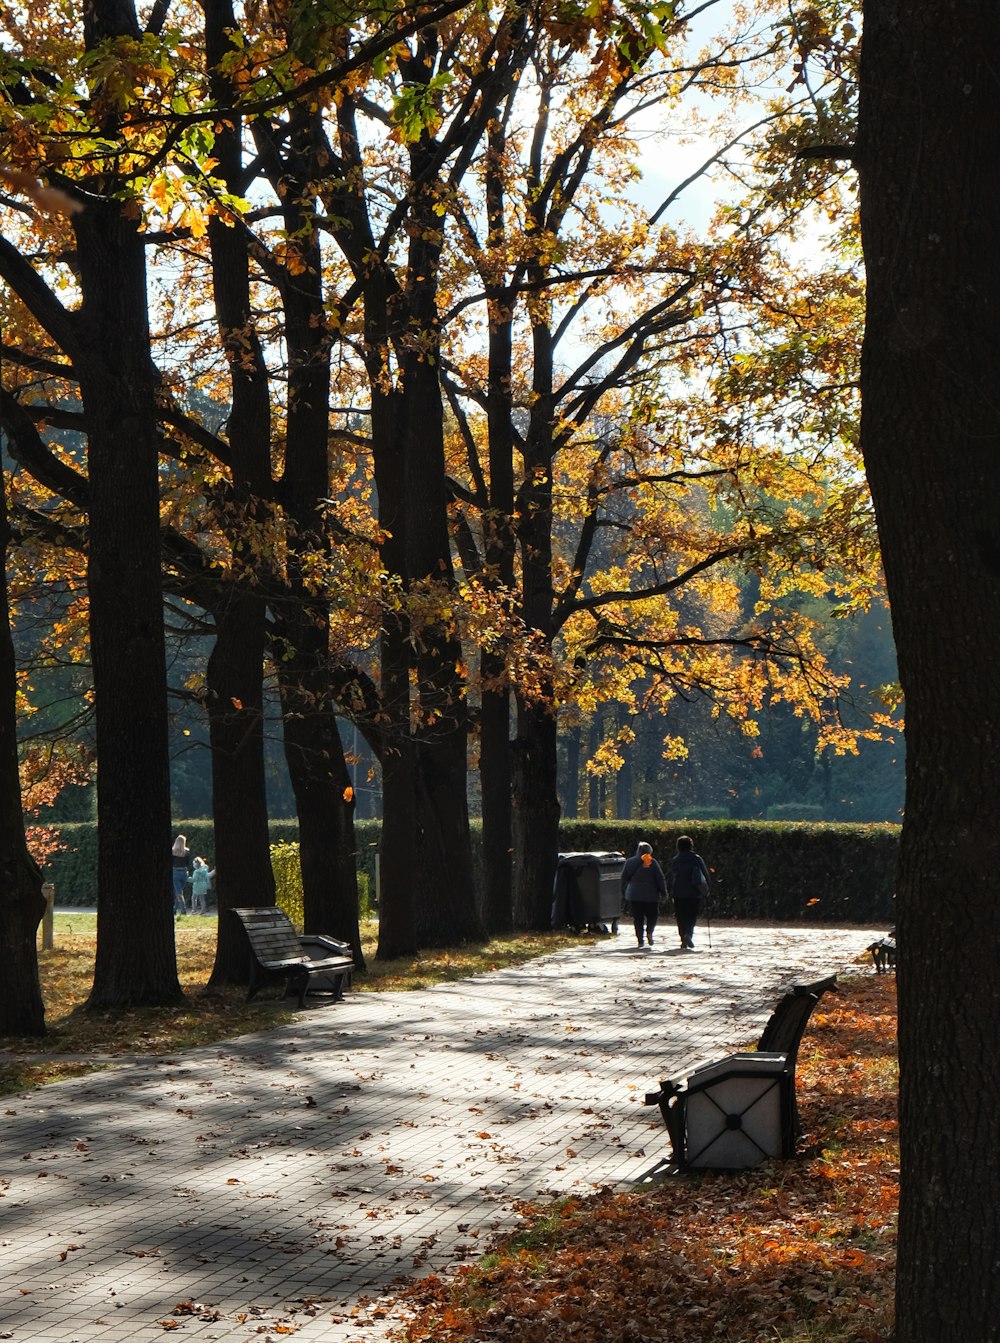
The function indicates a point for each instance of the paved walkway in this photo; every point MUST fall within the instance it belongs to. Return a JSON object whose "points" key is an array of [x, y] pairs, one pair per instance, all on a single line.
{"points": [[283, 1181]]}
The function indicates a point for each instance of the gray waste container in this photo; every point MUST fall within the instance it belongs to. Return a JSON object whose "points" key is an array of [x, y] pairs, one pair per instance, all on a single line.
{"points": [[587, 891]]}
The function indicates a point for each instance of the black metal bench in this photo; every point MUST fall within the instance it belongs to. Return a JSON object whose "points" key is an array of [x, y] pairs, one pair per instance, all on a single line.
{"points": [[278, 953], [780, 1042], [883, 953]]}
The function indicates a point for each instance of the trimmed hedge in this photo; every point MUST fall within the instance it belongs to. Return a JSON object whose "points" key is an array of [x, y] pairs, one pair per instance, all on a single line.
{"points": [[784, 871], [74, 871]]}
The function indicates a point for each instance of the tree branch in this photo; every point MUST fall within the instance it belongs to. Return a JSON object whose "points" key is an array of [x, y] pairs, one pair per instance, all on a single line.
{"points": [[39, 299]]}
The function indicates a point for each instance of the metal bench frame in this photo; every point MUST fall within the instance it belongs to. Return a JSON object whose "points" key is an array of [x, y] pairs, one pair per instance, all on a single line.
{"points": [[780, 1039]]}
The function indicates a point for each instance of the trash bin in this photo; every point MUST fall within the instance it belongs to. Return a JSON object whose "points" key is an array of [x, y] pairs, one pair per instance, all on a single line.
{"points": [[732, 1114], [587, 891]]}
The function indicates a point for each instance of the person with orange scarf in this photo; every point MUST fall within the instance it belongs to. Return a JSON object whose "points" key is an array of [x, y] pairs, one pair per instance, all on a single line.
{"points": [[644, 886]]}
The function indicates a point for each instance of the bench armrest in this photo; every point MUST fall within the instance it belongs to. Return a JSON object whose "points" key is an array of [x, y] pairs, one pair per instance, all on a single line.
{"points": [[332, 945]]}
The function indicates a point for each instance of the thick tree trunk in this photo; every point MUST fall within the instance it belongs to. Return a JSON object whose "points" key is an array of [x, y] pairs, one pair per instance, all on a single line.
{"points": [[135, 960], [446, 911], [930, 179], [536, 816], [536, 773], [22, 904], [397, 849], [295, 163], [445, 883], [324, 803], [397, 904], [498, 809], [243, 874], [496, 760], [235, 667]]}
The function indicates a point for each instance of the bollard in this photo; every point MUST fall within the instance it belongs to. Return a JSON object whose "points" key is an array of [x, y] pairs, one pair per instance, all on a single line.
{"points": [[49, 891]]}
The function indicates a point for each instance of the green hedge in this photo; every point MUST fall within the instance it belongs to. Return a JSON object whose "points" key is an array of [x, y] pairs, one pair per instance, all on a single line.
{"points": [[760, 869], [74, 870]]}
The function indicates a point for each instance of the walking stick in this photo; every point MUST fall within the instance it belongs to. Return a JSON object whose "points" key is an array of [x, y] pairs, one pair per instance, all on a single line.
{"points": [[708, 920]]}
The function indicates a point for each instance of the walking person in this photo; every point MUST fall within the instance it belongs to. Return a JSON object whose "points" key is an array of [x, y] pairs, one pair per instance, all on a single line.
{"points": [[644, 886], [180, 863], [200, 880], [688, 884]]}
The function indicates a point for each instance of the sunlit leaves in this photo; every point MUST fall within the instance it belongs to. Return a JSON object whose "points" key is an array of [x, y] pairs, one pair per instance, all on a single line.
{"points": [[416, 107]]}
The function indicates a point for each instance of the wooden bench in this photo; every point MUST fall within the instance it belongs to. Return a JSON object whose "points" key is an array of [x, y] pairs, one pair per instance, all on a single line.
{"points": [[278, 953], [780, 1041]]}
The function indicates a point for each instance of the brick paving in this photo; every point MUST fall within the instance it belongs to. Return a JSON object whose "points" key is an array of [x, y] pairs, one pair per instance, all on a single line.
{"points": [[285, 1180]]}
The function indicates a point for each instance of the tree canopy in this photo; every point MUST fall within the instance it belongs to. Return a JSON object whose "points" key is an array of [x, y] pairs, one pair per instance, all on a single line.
{"points": [[442, 415]]}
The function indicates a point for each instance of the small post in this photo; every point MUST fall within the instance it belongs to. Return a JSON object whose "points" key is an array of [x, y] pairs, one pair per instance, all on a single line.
{"points": [[49, 891]]}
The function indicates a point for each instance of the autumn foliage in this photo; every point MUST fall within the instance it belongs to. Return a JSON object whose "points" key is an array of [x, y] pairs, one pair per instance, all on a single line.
{"points": [[797, 1250]]}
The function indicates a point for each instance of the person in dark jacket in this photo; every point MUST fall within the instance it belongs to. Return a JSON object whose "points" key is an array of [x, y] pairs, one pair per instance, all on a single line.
{"points": [[644, 886], [688, 883]]}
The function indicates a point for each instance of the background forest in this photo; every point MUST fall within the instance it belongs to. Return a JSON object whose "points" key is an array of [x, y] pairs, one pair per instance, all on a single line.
{"points": [[777, 775]]}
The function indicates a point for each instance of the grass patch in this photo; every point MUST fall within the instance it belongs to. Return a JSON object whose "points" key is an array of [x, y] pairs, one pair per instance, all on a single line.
{"points": [[438, 966], [801, 1251], [79, 1040]]}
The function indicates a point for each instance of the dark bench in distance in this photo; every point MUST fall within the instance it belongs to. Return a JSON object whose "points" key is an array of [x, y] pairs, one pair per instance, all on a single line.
{"points": [[780, 1042], [883, 953], [278, 953]]}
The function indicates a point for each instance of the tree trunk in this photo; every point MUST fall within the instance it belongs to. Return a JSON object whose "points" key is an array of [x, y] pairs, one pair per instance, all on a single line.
{"points": [[324, 803], [536, 765], [398, 846], [446, 911], [496, 760], [571, 784], [235, 667], [930, 178], [623, 779], [22, 904], [396, 921], [239, 794], [135, 961], [445, 878], [536, 816], [498, 811]]}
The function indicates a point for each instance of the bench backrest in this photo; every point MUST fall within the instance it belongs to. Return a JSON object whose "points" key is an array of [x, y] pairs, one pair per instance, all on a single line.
{"points": [[271, 934], [784, 1031]]}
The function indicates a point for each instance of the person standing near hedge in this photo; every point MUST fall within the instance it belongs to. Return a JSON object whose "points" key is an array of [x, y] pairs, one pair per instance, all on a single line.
{"points": [[688, 884], [201, 878], [180, 863], [644, 886]]}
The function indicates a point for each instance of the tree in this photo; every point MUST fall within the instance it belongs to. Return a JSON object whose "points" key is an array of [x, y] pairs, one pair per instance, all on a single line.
{"points": [[105, 341], [926, 152], [637, 505], [21, 901]]}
